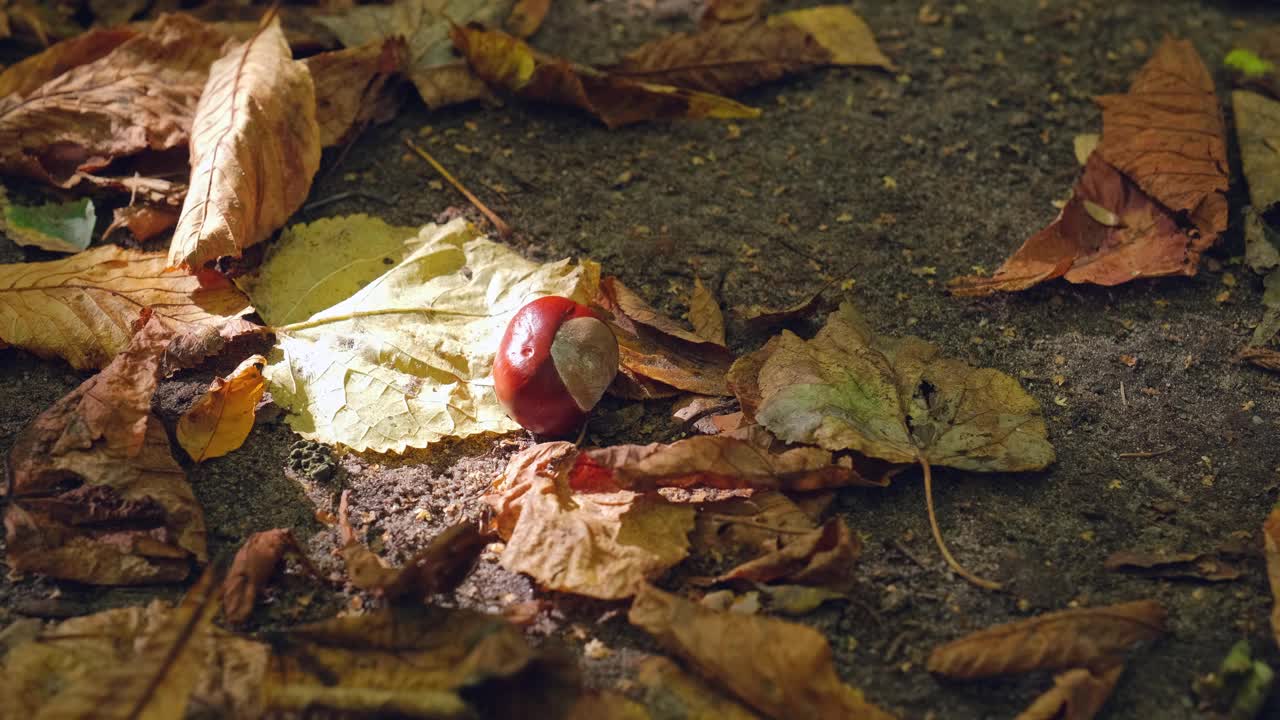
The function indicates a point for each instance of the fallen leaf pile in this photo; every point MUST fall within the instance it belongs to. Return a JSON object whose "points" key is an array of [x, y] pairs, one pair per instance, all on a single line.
{"points": [[378, 340]]}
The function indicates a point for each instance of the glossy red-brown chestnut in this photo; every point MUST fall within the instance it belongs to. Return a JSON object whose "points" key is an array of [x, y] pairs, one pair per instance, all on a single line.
{"points": [[554, 364]]}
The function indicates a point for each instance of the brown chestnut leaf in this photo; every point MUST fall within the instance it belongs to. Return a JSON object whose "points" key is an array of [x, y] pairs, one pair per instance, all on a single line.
{"points": [[1076, 695], [824, 557], [778, 668], [729, 58], [664, 684], [705, 314], [141, 96], [23, 77], [255, 147], [1162, 157], [255, 563], [82, 308], [95, 494], [139, 661], [654, 348], [598, 544], [1271, 545], [508, 62], [413, 661], [1088, 637], [437, 73], [349, 87]]}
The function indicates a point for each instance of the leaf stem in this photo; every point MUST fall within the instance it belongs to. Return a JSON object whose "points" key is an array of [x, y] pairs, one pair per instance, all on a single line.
{"points": [[937, 533]]}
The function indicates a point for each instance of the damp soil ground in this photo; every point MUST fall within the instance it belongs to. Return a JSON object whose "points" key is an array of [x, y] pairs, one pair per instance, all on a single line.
{"points": [[878, 186]]}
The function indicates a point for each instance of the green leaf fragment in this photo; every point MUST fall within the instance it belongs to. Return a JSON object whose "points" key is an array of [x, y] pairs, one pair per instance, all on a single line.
{"points": [[56, 227], [1247, 63]]}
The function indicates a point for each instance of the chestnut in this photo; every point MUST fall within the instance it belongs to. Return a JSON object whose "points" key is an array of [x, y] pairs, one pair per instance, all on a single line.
{"points": [[554, 364]]}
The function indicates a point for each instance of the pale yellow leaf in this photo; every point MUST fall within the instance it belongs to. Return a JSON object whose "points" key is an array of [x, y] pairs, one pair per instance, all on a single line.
{"points": [[407, 360], [315, 265]]}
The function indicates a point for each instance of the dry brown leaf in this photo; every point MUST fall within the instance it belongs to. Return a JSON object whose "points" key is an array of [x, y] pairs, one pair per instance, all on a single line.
{"points": [[349, 87], [705, 314], [780, 669], [139, 97], [759, 318], [1271, 544], [718, 462], [1089, 637], [598, 544], [527, 16], [136, 662], [1162, 157], [252, 568], [1076, 695], [725, 12], [653, 347], [25, 76], [750, 527], [439, 76], [82, 308], [1196, 566], [438, 568], [824, 558], [143, 221], [221, 419], [729, 58], [1261, 357], [255, 147], [681, 695], [409, 661], [95, 495], [506, 61]]}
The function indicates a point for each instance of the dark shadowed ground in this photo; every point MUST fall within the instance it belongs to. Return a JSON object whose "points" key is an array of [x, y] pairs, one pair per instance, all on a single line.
{"points": [[885, 186]]}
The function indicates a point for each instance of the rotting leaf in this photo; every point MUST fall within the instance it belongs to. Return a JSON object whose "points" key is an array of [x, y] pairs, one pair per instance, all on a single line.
{"points": [[1161, 164], [349, 87], [1194, 566], [254, 565], [1271, 546], [1261, 357], [437, 568], [95, 495], [138, 97], [23, 77], [221, 419], [136, 662], [895, 400], [440, 77], [408, 359], [728, 58], [57, 227], [654, 348], [255, 147], [506, 61], [705, 314], [527, 16], [82, 308], [315, 265], [750, 527], [1076, 695], [1093, 638], [717, 462], [824, 558], [759, 318], [599, 544], [778, 668], [407, 661], [665, 685]]}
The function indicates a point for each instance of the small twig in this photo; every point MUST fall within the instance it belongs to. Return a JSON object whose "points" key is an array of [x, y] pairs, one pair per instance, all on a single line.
{"points": [[343, 196], [900, 547], [1123, 399], [954, 564], [1151, 454], [684, 427], [504, 230]]}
